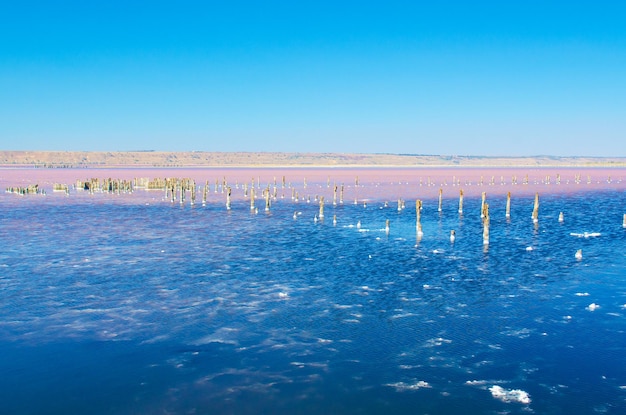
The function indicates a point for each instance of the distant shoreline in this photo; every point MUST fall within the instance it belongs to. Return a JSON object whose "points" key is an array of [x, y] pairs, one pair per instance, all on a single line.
{"points": [[200, 159]]}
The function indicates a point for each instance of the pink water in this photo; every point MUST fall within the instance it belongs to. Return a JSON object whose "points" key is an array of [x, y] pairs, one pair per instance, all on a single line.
{"points": [[373, 183]]}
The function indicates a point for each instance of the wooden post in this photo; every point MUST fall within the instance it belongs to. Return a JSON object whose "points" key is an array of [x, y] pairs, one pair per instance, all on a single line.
{"points": [[335, 195], [624, 223], [418, 213], [508, 205], [266, 192], [461, 201], [486, 225], [252, 196], [560, 216], [321, 215], [440, 199], [341, 196], [204, 193], [535, 215], [482, 204], [387, 226], [334, 220], [228, 198]]}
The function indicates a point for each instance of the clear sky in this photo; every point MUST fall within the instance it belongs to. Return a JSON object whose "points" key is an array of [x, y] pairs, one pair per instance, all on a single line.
{"points": [[419, 77]]}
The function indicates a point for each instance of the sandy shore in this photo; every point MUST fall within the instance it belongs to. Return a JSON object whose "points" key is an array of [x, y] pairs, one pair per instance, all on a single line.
{"points": [[77, 159]]}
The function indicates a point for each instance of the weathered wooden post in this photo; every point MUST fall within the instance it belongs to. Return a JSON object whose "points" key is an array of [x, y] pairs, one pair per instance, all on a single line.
{"points": [[252, 196], [486, 225], [461, 201], [508, 205], [418, 213], [228, 191], [452, 235], [624, 223], [482, 204], [387, 226], [535, 214], [440, 199], [560, 216], [356, 181], [341, 196], [334, 220], [335, 195], [321, 215], [204, 193], [266, 192]]}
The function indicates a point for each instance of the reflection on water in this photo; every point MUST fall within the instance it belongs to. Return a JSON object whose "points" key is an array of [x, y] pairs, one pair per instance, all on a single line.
{"points": [[133, 304]]}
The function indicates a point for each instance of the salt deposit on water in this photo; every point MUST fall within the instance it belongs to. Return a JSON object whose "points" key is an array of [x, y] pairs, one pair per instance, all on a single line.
{"points": [[130, 303]]}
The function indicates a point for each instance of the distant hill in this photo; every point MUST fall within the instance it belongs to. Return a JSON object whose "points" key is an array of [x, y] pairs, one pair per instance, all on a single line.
{"points": [[86, 159]]}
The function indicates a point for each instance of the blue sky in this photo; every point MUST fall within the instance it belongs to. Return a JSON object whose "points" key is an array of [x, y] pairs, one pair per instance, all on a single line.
{"points": [[454, 78]]}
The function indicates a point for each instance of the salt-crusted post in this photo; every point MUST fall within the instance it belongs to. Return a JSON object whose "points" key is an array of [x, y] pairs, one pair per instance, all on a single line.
{"points": [[387, 226], [228, 191], [418, 213], [266, 192], [482, 204], [335, 195], [252, 196], [440, 199], [321, 215], [204, 192], [486, 225], [508, 205], [560, 216], [341, 196], [624, 223], [535, 215], [461, 201], [334, 220]]}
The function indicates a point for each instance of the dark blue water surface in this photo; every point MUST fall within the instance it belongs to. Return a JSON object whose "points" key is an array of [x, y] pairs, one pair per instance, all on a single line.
{"points": [[126, 304]]}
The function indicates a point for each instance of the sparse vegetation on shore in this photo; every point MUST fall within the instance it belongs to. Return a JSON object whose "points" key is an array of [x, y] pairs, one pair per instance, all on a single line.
{"points": [[77, 159]]}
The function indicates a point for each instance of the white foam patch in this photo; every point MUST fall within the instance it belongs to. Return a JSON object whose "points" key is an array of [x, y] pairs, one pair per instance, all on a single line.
{"points": [[582, 294], [439, 341], [586, 234], [593, 307], [510, 395], [402, 386]]}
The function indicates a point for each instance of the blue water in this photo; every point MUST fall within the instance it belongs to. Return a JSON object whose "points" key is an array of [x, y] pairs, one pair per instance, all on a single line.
{"points": [[120, 304]]}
